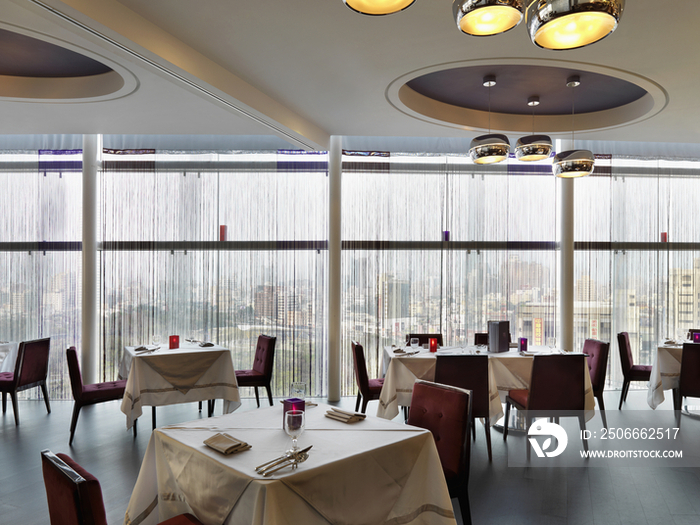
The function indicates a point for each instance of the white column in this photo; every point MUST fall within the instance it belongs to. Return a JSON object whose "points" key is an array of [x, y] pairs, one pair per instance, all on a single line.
{"points": [[566, 257], [334, 261], [89, 349]]}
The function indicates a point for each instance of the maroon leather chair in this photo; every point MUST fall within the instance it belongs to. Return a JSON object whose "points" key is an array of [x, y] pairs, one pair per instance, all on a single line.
{"points": [[556, 385], [597, 352], [31, 368], [75, 496], [367, 389], [261, 374], [481, 338], [630, 371], [92, 394], [689, 384], [446, 412], [470, 372], [424, 339]]}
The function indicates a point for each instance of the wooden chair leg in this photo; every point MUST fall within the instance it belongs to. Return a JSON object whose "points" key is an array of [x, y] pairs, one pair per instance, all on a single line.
{"points": [[487, 428], [211, 404], [623, 393], [464, 507], [4, 402], [153, 416], [15, 406], [200, 406], [134, 427], [45, 393], [357, 403], [505, 423], [473, 429], [364, 405], [257, 396], [269, 394], [582, 424], [74, 422], [601, 407]]}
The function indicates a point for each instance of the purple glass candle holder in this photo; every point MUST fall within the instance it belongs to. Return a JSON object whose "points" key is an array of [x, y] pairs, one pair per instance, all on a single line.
{"points": [[522, 344], [293, 404]]}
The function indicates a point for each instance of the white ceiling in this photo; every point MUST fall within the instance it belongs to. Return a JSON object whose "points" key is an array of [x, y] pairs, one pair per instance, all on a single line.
{"points": [[304, 70]]}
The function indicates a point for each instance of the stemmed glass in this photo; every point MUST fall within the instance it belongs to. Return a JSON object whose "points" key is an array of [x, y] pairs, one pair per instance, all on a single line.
{"points": [[298, 390], [414, 342], [294, 422], [552, 343], [155, 340]]}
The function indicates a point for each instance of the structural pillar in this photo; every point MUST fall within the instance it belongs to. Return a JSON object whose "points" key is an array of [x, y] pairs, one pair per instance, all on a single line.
{"points": [[89, 350], [566, 257], [334, 262]]}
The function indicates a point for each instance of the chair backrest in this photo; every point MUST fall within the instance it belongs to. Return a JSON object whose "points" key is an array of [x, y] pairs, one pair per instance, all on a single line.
{"points": [[358, 359], [557, 383], [446, 412], [76, 378], [74, 495], [481, 338], [597, 352], [265, 355], [34, 362], [690, 370], [424, 339], [623, 343], [470, 372]]}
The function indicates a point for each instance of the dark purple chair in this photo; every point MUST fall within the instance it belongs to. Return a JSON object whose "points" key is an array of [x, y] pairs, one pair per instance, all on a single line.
{"points": [[470, 372], [689, 384], [481, 338], [31, 368], [367, 389], [556, 390], [424, 339], [261, 374], [630, 371], [597, 352], [84, 395], [446, 412], [75, 496]]}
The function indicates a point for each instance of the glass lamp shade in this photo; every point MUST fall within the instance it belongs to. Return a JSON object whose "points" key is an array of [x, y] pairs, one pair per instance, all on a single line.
{"points": [[489, 149], [533, 147], [487, 17], [573, 163], [378, 7], [570, 24]]}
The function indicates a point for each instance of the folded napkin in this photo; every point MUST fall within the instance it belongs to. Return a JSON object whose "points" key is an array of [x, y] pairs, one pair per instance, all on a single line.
{"points": [[345, 416], [226, 444], [206, 345]]}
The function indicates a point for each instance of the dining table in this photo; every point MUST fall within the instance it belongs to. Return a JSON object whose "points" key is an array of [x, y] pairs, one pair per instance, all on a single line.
{"points": [[665, 372], [369, 471], [158, 376], [9, 350], [507, 371]]}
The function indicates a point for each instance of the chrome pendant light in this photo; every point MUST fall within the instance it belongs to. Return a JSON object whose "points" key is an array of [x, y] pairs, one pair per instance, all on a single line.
{"points": [[533, 147], [570, 24], [378, 7], [575, 162], [493, 147], [487, 17]]}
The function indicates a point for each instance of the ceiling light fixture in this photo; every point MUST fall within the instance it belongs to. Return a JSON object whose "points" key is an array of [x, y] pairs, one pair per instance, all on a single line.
{"points": [[575, 162], [570, 24], [487, 17], [533, 147], [491, 148], [378, 7]]}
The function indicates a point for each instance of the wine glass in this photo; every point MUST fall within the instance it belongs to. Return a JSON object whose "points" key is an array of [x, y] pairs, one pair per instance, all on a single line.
{"points": [[298, 390], [155, 340], [552, 343], [294, 422], [414, 342]]}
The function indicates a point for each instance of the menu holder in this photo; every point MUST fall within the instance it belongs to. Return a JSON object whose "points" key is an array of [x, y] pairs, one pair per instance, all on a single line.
{"points": [[345, 416], [226, 444]]}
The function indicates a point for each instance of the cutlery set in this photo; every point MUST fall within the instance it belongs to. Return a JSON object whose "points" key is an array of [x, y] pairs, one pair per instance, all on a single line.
{"points": [[290, 459]]}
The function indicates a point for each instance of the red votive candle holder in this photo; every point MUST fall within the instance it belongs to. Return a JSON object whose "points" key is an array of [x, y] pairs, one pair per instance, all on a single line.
{"points": [[433, 344], [174, 341], [522, 344], [223, 231], [293, 404], [664, 236]]}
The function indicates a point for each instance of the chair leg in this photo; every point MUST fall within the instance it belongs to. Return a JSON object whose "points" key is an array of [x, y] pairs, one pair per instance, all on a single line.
{"points": [[45, 393], [582, 424], [257, 396], [211, 404], [464, 507], [677, 402], [528, 447], [623, 393], [406, 413], [269, 393], [4, 402], [134, 427], [357, 403], [364, 404], [153, 416], [487, 428], [505, 423], [74, 422], [15, 407], [601, 407], [200, 406], [473, 429]]}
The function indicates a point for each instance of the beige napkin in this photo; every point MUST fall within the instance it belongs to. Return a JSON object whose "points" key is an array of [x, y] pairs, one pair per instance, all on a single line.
{"points": [[226, 444], [345, 416]]}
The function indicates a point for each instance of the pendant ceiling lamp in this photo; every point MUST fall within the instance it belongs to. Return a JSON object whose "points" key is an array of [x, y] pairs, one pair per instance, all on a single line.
{"points": [[533, 147], [378, 7], [491, 148], [575, 162], [570, 24], [487, 17]]}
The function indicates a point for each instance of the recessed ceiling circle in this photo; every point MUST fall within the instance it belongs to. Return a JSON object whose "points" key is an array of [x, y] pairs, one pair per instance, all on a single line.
{"points": [[452, 95], [39, 68]]}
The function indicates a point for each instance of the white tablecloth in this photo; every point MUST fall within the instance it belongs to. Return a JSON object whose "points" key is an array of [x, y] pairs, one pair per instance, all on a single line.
{"points": [[507, 371], [665, 373], [167, 377], [9, 350], [370, 472]]}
